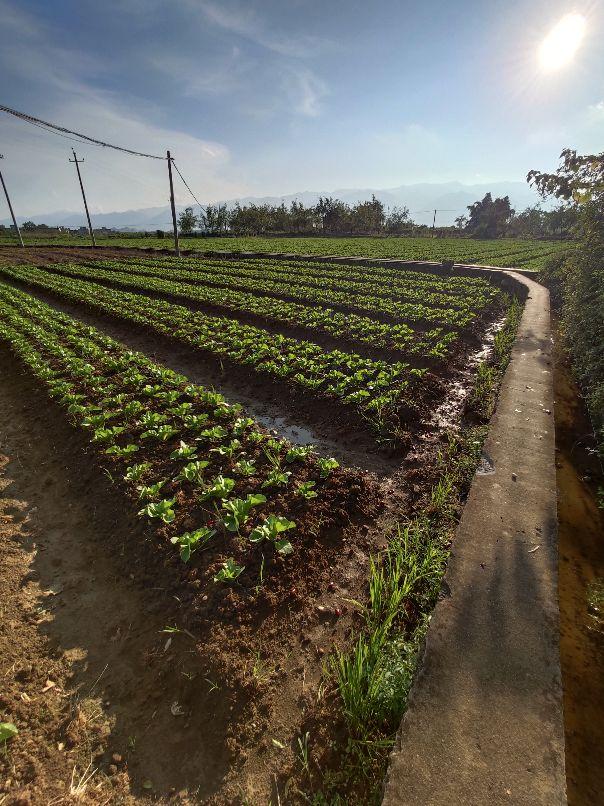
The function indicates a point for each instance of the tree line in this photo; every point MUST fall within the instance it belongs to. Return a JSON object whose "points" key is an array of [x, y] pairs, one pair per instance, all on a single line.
{"points": [[486, 218]]}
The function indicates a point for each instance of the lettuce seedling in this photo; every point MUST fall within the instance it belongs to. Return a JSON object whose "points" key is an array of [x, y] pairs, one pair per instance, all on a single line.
{"points": [[238, 510], [229, 571], [298, 453], [127, 450], [150, 492], [163, 510], [305, 489], [136, 472], [244, 468], [326, 466], [189, 542], [193, 471], [227, 450], [272, 527], [184, 451], [276, 478], [221, 488]]}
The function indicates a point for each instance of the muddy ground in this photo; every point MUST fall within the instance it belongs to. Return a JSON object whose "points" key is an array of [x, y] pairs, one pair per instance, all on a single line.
{"points": [[581, 572]]}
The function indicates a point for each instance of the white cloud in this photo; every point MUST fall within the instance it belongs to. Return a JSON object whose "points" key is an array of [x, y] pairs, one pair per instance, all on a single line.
{"points": [[305, 90]]}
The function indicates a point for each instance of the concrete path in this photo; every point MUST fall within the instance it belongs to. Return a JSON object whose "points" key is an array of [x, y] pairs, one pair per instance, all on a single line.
{"points": [[484, 723]]}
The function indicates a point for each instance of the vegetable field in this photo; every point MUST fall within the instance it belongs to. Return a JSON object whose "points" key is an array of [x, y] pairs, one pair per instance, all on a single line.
{"points": [[278, 452], [506, 252]]}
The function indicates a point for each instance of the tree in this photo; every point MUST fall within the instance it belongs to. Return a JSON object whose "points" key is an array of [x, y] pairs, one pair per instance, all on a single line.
{"points": [[368, 216], [215, 220], [461, 222], [577, 278], [397, 221], [488, 218], [187, 221], [28, 226]]}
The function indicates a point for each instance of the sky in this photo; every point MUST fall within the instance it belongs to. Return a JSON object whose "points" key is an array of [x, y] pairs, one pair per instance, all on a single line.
{"points": [[259, 97]]}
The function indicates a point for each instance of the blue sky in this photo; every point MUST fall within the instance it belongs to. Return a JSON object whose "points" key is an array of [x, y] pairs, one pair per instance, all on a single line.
{"points": [[269, 98]]}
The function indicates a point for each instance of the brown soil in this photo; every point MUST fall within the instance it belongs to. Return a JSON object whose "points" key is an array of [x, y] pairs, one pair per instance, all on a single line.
{"points": [[581, 541]]}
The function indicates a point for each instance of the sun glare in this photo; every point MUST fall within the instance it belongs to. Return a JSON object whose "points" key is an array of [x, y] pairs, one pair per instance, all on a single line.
{"points": [[562, 42]]}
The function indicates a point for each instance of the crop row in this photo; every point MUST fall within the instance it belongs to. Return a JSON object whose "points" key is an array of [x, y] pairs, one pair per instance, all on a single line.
{"points": [[193, 464], [377, 389], [433, 344], [503, 252], [364, 298], [404, 285]]}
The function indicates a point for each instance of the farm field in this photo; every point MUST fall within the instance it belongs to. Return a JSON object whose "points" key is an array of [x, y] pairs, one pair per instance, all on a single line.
{"points": [[274, 457], [525, 254]]}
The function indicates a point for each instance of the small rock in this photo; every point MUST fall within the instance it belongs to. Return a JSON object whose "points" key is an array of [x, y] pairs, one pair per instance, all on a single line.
{"points": [[116, 758], [514, 477]]}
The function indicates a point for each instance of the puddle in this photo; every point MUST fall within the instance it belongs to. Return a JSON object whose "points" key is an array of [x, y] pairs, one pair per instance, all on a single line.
{"points": [[447, 416], [486, 466]]}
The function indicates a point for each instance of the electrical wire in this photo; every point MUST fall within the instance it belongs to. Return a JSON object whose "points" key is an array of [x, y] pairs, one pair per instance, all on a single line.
{"points": [[186, 185], [63, 132]]}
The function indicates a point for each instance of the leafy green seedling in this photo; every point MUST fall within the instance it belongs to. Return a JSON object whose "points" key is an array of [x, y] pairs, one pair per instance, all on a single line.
{"points": [[107, 434], [189, 542], [136, 472], [193, 471], [272, 527], [162, 509], [215, 433], [240, 424], [244, 468], [227, 450], [305, 489], [298, 453], [326, 466], [151, 492], [276, 478], [184, 451], [238, 510], [127, 450], [220, 488], [229, 572], [7, 731]]}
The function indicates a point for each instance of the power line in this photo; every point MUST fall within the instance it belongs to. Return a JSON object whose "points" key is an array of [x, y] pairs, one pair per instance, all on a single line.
{"points": [[62, 131], [186, 185]]}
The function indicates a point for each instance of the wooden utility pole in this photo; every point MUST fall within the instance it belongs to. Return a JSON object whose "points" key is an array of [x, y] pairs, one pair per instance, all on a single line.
{"points": [[174, 224], [10, 206], [434, 224], [77, 165]]}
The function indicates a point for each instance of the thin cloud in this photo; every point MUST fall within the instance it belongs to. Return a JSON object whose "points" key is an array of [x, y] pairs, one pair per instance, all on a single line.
{"points": [[305, 90], [245, 22]]}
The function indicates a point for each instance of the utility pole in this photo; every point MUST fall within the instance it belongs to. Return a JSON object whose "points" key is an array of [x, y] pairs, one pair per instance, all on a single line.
{"points": [[77, 165], [174, 225], [434, 224], [10, 206]]}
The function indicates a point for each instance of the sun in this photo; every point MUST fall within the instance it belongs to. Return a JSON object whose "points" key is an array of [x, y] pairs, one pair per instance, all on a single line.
{"points": [[560, 45]]}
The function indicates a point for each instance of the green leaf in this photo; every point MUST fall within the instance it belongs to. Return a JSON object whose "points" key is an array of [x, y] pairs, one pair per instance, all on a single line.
{"points": [[7, 731]]}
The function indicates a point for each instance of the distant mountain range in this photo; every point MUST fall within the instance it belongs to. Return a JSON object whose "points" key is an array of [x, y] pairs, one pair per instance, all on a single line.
{"points": [[450, 199]]}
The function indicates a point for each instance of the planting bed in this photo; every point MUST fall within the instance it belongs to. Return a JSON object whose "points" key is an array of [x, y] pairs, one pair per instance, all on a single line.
{"points": [[252, 548]]}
